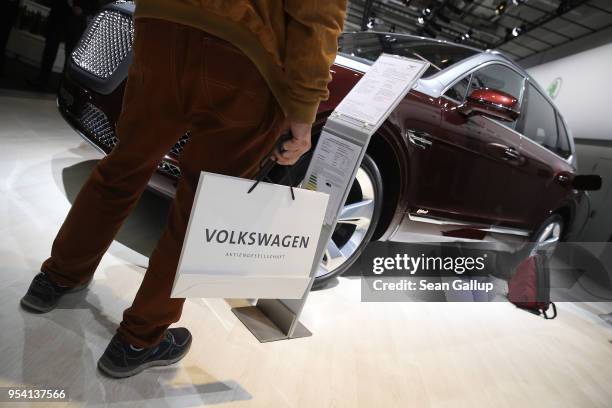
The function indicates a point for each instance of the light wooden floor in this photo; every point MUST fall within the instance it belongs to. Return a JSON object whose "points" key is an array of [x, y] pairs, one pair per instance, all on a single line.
{"points": [[361, 354]]}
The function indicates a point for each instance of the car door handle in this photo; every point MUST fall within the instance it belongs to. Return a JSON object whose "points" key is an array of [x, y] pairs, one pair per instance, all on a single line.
{"points": [[418, 139], [511, 153]]}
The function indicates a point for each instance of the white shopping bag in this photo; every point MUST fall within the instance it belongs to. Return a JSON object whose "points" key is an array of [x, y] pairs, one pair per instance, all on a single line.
{"points": [[257, 245]]}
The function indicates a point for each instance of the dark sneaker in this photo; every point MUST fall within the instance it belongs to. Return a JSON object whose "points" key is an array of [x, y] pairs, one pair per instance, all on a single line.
{"points": [[121, 360], [43, 295]]}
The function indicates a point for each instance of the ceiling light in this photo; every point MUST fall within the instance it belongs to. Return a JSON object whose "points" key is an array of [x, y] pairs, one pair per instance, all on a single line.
{"points": [[421, 21], [516, 31], [370, 23], [501, 7]]}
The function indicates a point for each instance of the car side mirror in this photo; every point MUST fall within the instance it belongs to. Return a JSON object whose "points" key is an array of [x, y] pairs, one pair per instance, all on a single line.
{"points": [[587, 182], [490, 102]]}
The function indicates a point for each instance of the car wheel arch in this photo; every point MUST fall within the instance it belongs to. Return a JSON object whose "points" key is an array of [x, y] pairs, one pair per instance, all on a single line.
{"points": [[384, 144]]}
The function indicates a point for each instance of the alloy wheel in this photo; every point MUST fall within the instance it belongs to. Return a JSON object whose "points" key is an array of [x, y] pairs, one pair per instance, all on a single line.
{"points": [[352, 226], [550, 236]]}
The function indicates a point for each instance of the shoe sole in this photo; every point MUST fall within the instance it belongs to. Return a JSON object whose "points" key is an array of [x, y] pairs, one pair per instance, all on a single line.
{"points": [[114, 373], [37, 308]]}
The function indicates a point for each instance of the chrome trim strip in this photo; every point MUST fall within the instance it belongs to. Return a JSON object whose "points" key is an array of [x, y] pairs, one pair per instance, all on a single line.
{"points": [[486, 228], [418, 139]]}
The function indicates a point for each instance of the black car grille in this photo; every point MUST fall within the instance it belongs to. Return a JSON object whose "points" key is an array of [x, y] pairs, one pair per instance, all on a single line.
{"points": [[101, 50], [96, 123], [105, 44]]}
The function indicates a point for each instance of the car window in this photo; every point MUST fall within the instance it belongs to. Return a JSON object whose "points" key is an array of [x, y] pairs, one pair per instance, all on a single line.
{"points": [[539, 121], [458, 91], [563, 147], [498, 77]]}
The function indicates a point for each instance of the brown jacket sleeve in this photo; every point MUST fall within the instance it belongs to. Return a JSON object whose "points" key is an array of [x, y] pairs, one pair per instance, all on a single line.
{"points": [[313, 27]]}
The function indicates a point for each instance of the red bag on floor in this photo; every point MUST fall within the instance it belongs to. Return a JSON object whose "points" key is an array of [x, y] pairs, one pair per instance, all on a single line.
{"points": [[529, 287]]}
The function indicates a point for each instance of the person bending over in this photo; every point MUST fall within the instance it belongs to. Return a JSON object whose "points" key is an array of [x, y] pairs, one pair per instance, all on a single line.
{"points": [[235, 75]]}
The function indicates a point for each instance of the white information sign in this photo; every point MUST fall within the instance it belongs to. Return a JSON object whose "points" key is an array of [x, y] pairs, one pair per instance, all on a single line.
{"points": [[380, 88], [333, 164]]}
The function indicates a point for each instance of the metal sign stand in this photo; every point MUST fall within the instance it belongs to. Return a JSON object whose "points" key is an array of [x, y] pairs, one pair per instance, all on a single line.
{"points": [[348, 130]]}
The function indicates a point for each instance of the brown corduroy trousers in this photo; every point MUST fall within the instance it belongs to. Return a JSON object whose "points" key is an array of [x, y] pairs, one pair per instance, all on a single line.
{"points": [[181, 79]]}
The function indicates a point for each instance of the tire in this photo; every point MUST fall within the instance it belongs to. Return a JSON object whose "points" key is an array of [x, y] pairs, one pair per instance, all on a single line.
{"points": [[546, 237], [352, 234]]}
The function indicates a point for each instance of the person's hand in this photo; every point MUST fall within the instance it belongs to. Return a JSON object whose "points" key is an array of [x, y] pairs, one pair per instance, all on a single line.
{"points": [[291, 150]]}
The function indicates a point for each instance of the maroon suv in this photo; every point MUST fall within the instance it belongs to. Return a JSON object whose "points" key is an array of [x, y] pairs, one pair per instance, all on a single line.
{"points": [[476, 151]]}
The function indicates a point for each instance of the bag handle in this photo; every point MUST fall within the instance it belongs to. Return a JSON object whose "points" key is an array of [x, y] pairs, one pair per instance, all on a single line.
{"points": [[271, 162], [554, 312]]}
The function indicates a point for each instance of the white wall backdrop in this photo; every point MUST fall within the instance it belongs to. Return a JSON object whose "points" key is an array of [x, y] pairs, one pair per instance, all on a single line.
{"points": [[585, 90]]}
